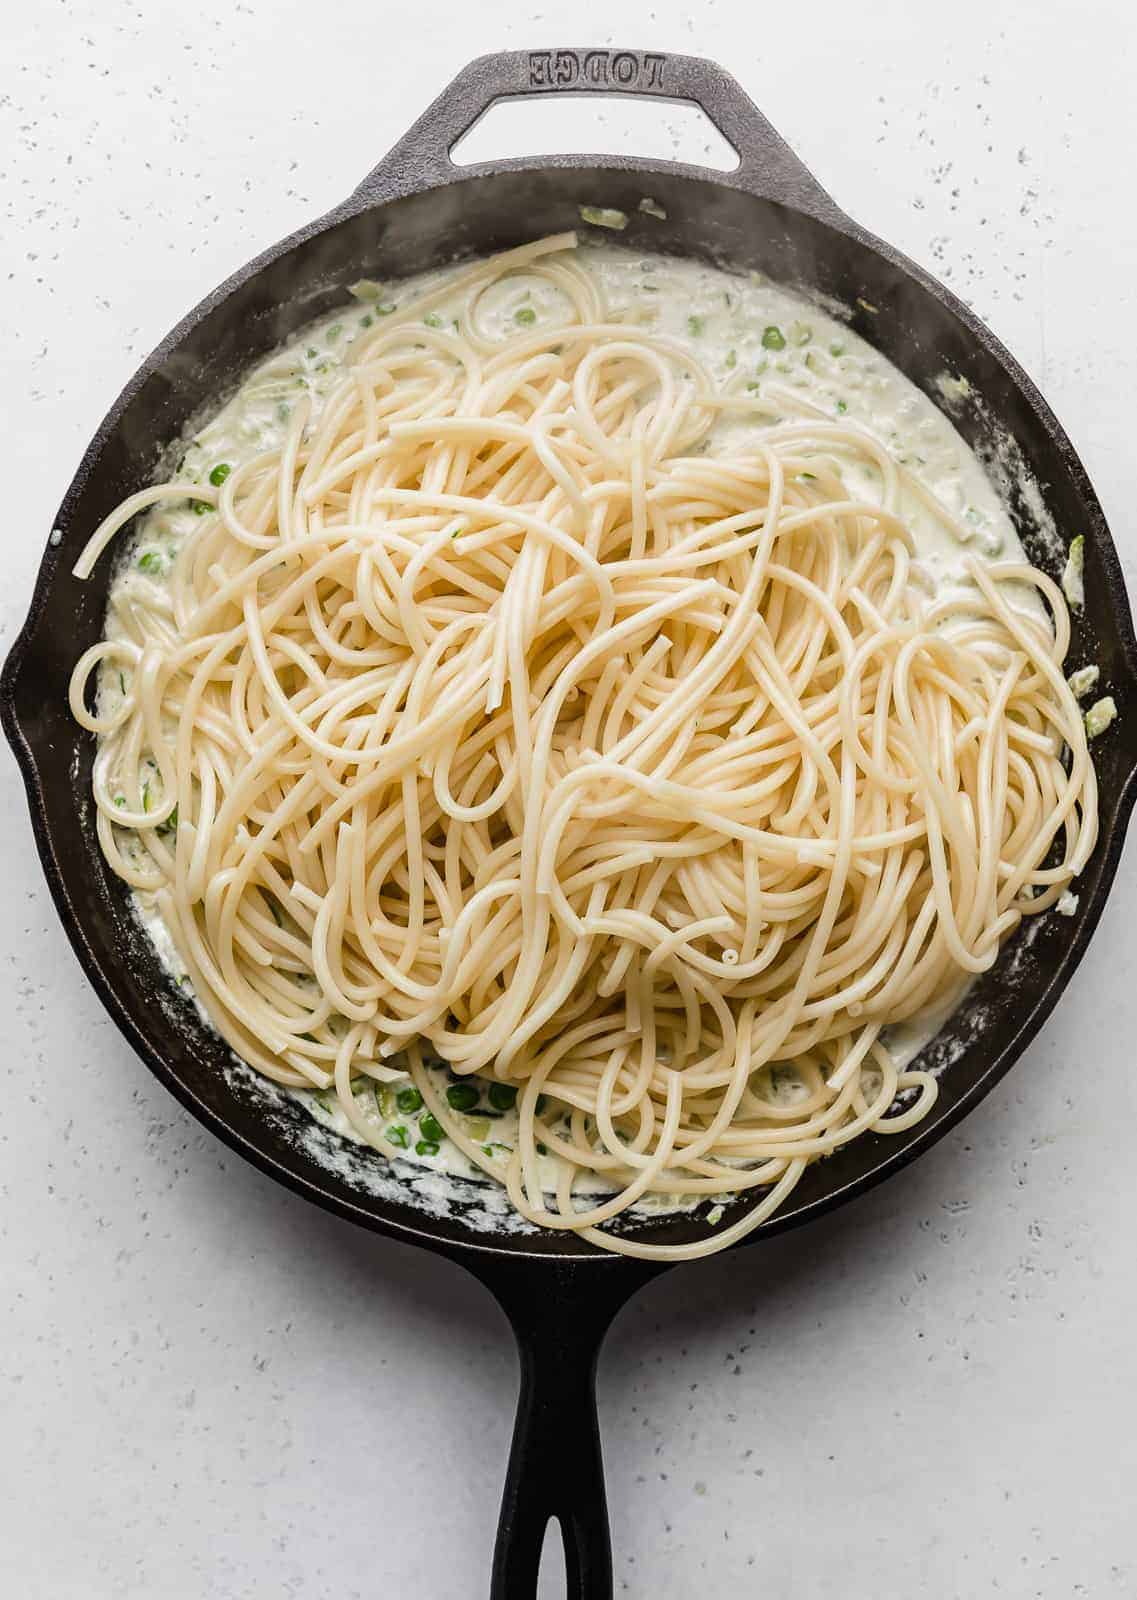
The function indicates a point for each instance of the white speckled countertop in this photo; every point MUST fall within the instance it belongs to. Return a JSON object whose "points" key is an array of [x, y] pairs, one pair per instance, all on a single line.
{"points": [[209, 1390]]}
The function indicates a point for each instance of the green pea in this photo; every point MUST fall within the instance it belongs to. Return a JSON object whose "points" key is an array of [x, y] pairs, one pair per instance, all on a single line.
{"points": [[695, 326], [527, 316], [462, 1096], [426, 1147], [430, 1128], [220, 472], [201, 508], [503, 1096], [150, 561], [408, 1100]]}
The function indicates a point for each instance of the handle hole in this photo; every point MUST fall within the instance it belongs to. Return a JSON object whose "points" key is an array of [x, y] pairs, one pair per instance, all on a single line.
{"points": [[552, 1575], [596, 125]]}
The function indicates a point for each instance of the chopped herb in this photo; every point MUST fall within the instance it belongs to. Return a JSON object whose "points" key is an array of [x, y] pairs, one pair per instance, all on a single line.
{"points": [[801, 333], [1100, 715], [715, 1216], [334, 332], [773, 339], [385, 308], [433, 320], [121, 684], [150, 561], [604, 217], [461, 528], [366, 322], [120, 800], [753, 388], [695, 326], [311, 352], [836, 348], [731, 358], [841, 407], [220, 472], [525, 315], [810, 477], [146, 797], [283, 411], [397, 1135], [408, 1100], [430, 1128], [503, 1096], [426, 1147], [462, 1096], [1073, 577], [542, 1150], [652, 208]]}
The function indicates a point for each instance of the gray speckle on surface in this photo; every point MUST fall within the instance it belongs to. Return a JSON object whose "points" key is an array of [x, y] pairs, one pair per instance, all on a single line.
{"points": [[210, 1390]]}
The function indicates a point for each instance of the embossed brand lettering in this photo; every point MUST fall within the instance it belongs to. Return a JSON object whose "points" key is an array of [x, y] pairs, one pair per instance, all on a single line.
{"points": [[566, 68], [653, 67], [562, 69]]}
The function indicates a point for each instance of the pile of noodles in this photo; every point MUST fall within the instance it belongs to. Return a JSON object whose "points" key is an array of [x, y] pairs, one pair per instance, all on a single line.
{"points": [[498, 721]]}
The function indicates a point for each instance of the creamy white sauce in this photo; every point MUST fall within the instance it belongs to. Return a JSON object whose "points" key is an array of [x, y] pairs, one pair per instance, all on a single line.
{"points": [[741, 329]]}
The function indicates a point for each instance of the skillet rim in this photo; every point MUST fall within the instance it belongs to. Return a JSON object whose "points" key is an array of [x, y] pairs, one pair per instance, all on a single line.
{"points": [[894, 1156]]}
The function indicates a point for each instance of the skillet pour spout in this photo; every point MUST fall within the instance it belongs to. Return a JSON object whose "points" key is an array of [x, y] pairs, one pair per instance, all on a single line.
{"points": [[417, 210]]}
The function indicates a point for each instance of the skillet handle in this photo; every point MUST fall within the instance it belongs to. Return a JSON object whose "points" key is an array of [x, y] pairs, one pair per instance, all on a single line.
{"points": [[767, 166], [559, 1318]]}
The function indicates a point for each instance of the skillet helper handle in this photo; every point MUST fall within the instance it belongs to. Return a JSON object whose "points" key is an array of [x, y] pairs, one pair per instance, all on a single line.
{"points": [[559, 1320], [767, 166]]}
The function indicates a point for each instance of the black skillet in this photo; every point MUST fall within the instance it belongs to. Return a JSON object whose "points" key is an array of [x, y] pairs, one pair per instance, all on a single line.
{"points": [[413, 212]]}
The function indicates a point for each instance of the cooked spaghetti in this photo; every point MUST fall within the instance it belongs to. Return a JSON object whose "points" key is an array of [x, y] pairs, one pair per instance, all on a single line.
{"points": [[500, 718]]}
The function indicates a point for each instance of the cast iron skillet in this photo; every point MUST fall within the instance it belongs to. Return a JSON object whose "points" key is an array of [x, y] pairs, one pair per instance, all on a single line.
{"points": [[414, 211]]}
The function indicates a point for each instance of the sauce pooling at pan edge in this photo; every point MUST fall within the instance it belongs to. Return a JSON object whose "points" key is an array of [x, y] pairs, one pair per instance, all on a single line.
{"points": [[584, 718]]}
